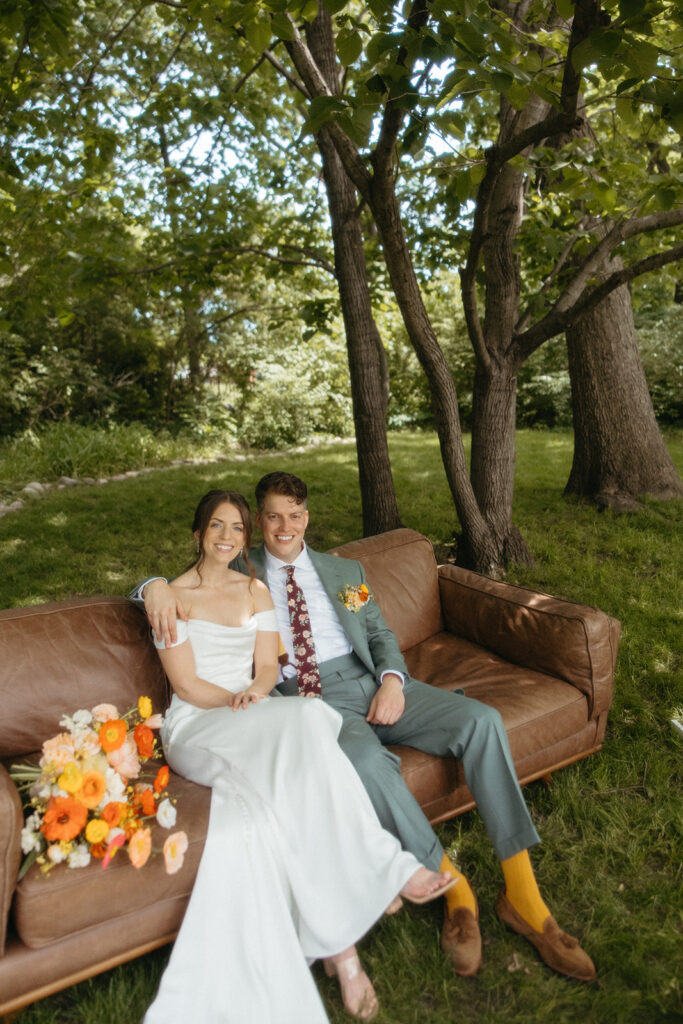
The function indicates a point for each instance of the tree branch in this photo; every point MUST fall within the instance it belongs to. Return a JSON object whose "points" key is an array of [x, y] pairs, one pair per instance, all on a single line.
{"points": [[317, 87], [586, 14], [282, 70], [556, 322]]}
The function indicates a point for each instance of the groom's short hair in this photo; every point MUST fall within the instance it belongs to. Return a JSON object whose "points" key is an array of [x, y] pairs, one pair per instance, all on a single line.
{"points": [[280, 483]]}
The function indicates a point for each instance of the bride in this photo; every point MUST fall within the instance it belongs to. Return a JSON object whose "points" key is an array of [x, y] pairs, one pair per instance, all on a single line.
{"points": [[296, 866]]}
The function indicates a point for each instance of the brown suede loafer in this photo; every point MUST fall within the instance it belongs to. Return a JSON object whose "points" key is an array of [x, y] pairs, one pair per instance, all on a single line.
{"points": [[461, 939], [560, 951]]}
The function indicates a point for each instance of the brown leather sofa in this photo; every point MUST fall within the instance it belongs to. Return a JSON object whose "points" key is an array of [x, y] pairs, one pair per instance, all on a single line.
{"points": [[546, 664]]}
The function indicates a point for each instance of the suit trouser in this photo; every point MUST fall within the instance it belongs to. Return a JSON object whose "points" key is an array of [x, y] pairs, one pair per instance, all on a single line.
{"points": [[437, 722]]}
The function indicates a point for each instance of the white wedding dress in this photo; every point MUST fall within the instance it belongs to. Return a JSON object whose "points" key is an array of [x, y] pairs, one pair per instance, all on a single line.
{"points": [[295, 865]]}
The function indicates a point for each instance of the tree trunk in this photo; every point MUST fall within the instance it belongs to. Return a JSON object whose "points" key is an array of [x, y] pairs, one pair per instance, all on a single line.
{"points": [[478, 548], [367, 359], [619, 452]]}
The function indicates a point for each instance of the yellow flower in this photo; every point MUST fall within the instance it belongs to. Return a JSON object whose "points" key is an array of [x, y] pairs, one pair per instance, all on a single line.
{"points": [[144, 707], [71, 779], [96, 831]]}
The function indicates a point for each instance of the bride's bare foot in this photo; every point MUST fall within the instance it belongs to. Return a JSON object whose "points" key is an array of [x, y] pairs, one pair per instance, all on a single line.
{"points": [[426, 885], [394, 906], [358, 995]]}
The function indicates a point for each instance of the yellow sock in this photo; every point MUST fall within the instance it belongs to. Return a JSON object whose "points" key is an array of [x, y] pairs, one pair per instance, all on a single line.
{"points": [[522, 889], [460, 895]]}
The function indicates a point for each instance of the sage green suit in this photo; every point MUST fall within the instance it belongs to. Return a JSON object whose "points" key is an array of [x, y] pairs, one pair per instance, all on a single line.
{"points": [[435, 721]]}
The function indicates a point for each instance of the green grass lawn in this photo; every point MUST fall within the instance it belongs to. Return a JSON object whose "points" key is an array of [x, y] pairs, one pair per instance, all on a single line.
{"points": [[610, 861]]}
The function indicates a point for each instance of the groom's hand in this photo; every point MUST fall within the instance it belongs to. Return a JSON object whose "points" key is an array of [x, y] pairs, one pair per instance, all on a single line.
{"points": [[388, 703], [163, 608]]}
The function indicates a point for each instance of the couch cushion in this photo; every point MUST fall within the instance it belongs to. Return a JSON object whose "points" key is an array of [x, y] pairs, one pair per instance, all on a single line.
{"points": [[57, 658], [402, 574], [538, 710], [70, 900]]}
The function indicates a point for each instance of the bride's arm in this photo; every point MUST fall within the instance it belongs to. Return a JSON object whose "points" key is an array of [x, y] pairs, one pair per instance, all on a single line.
{"points": [[265, 653], [179, 666]]}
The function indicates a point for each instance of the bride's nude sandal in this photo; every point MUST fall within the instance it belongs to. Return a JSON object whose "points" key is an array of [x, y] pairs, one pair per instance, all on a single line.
{"points": [[347, 970], [428, 897]]}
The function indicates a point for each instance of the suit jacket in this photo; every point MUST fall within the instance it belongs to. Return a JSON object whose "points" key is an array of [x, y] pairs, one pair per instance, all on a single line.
{"points": [[367, 632]]}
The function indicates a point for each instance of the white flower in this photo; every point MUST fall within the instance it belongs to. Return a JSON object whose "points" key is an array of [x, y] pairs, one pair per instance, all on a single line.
{"points": [[79, 857], [166, 814], [116, 787], [82, 718], [30, 840], [33, 822], [56, 853]]}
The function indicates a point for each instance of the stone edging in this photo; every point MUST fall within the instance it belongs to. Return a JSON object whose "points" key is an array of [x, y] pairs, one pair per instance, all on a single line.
{"points": [[37, 490]]}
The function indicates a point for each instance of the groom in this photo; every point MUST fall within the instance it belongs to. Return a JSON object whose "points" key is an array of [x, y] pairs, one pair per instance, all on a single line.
{"points": [[353, 661]]}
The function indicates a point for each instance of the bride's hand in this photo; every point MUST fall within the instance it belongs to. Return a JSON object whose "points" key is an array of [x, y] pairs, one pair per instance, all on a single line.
{"points": [[245, 698]]}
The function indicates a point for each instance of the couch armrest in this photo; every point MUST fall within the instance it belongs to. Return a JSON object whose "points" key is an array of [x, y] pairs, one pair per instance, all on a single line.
{"points": [[11, 824], [571, 641]]}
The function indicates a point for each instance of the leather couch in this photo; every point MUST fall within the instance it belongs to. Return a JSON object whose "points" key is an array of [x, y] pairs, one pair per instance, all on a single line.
{"points": [[546, 664]]}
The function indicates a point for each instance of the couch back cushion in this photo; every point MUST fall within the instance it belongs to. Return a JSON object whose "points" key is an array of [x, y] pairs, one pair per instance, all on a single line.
{"points": [[402, 575], [57, 658]]}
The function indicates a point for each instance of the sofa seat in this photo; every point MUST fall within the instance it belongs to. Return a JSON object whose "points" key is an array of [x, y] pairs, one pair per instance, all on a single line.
{"points": [[77, 901], [546, 718]]}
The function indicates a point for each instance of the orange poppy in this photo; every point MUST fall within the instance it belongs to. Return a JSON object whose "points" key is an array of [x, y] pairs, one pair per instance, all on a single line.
{"points": [[63, 819], [112, 813], [147, 801], [161, 780], [99, 850], [144, 737], [92, 790], [112, 734]]}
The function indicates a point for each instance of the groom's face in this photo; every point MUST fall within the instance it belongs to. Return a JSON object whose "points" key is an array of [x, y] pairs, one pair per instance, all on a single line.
{"points": [[283, 523]]}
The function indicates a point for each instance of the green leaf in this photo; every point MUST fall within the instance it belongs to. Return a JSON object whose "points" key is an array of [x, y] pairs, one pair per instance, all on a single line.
{"points": [[477, 172], [641, 57], [665, 197], [348, 45], [282, 26], [334, 6], [566, 8], [259, 33]]}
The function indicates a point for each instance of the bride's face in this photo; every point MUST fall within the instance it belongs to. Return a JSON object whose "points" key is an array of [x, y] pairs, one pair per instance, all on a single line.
{"points": [[224, 536]]}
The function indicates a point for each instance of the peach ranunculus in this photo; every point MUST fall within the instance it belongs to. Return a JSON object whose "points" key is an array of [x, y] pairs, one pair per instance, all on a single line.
{"points": [[112, 734], [125, 759], [140, 847], [92, 790], [89, 744], [63, 819], [144, 738], [105, 712], [144, 707], [59, 750], [155, 721], [162, 777], [174, 851], [96, 830]]}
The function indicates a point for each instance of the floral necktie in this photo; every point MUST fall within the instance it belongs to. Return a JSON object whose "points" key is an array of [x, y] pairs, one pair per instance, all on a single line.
{"points": [[302, 639]]}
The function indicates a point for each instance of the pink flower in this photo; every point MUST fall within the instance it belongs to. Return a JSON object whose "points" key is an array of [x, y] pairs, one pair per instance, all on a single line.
{"points": [[112, 847], [140, 847], [105, 712], [125, 759], [174, 852], [155, 721]]}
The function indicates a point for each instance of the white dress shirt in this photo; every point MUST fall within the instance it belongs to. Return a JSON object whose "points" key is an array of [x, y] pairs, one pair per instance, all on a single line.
{"points": [[328, 636]]}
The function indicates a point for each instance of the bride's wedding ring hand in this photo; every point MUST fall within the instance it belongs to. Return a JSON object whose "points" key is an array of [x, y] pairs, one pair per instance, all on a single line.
{"points": [[245, 698]]}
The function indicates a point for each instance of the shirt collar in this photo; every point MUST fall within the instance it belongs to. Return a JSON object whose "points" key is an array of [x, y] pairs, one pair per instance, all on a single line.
{"points": [[302, 560]]}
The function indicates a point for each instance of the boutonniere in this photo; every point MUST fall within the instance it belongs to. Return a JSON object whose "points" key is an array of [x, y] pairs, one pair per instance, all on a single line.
{"points": [[355, 596]]}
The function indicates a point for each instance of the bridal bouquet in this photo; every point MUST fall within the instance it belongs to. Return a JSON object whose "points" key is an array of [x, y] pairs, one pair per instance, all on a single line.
{"points": [[88, 796]]}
